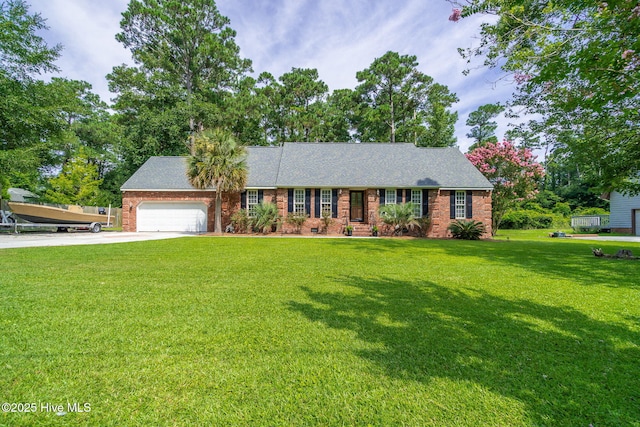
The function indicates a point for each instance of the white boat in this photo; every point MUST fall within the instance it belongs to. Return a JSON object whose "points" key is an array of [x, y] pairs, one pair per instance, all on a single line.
{"points": [[42, 214]]}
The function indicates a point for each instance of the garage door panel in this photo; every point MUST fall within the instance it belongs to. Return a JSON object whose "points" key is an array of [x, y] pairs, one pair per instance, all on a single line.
{"points": [[172, 216]]}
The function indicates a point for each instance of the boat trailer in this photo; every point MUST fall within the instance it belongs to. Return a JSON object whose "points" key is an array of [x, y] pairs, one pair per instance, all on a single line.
{"points": [[8, 221]]}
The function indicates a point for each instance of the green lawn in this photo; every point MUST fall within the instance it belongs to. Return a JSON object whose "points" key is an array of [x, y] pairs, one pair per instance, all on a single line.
{"points": [[297, 332]]}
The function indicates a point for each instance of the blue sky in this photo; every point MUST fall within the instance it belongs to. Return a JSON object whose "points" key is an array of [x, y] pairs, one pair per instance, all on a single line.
{"points": [[337, 37]]}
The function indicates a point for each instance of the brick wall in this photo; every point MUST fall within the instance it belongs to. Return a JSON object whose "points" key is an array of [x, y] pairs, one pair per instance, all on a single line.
{"points": [[439, 209], [281, 199], [622, 230]]}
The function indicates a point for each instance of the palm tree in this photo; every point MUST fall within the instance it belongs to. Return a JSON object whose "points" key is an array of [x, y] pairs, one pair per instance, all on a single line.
{"points": [[265, 216], [399, 216], [217, 162]]}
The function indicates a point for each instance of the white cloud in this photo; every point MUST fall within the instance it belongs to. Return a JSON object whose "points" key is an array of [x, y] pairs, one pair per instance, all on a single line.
{"points": [[87, 30]]}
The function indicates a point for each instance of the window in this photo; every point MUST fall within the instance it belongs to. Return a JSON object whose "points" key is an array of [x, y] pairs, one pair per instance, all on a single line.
{"points": [[325, 202], [416, 199], [298, 201], [252, 201], [390, 196], [461, 198]]}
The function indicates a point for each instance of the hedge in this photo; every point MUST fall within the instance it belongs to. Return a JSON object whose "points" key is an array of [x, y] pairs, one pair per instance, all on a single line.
{"points": [[530, 219]]}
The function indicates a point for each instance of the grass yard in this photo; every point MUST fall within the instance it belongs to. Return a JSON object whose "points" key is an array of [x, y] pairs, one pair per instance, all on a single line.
{"points": [[297, 332]]}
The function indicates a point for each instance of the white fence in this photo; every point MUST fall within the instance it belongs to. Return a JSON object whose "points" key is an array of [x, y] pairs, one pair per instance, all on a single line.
{"points": [[590, 222]]}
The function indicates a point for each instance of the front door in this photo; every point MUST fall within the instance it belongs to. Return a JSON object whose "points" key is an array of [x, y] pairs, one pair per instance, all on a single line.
{"points": [[357, 206]]}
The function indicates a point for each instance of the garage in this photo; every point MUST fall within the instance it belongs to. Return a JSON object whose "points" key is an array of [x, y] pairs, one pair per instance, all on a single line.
{"points": [[172, 216]]}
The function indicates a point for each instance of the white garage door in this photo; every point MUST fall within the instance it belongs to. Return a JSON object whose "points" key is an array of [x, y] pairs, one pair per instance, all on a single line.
{"points": [[172, 216]]}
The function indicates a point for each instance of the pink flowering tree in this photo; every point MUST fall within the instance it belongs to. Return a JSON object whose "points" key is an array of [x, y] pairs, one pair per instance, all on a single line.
{"points": [[513, 172]]}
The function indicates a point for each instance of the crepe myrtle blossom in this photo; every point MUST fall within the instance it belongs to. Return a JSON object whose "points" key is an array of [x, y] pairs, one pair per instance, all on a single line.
{"points": [[455, 16], [521, 78], [513, 171]]}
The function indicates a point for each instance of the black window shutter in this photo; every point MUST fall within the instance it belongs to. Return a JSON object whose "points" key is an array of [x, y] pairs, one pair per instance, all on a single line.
{"points": [[243, 200], [469, 204], [260, 196], [452, 202], [307, 201], [399, 196], [316, 203], [407, 195], [383, 193], [425, 202], [334, 203], [290, 200]]}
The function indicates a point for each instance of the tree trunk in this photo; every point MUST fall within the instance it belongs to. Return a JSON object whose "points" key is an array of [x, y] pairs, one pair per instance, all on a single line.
{"points": [[217, 228], [415, 132], [192, 136], [393, 119], [192, 121]]}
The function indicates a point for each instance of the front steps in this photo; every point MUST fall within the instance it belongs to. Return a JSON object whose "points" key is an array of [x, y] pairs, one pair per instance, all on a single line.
{"points": [[361, 229]]}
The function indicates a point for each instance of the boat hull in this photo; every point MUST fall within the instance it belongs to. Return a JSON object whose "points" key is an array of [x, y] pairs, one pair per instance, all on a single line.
{"points": [[40, 214]]}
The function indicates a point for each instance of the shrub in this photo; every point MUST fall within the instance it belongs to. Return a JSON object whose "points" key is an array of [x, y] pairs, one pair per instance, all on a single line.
{"points": [[560, 221], [532, 205], [326, 221], [400, 216], [562, 208], [547, 199], [467, 230], [526, 219], [423, 225], [240, 221], [265, 216], [297, 220], [591, 211]]}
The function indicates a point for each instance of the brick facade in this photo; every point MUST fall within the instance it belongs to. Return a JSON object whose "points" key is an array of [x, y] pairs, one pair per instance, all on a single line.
{"points": [[438, 207], [440, 211]]}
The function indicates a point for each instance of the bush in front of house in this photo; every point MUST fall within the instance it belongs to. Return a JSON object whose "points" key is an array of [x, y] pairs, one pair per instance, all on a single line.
{"points": [[399, 216], [297, 220], [240, 221], [326, 221], [423, 225], [265, 217], [467, 230]]}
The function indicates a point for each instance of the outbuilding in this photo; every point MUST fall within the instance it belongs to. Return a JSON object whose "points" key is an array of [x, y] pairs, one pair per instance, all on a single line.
{"points": [[625, 213]]}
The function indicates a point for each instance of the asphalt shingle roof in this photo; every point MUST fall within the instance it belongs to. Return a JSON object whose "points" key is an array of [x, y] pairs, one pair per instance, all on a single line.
{"points": [[330, 165]]}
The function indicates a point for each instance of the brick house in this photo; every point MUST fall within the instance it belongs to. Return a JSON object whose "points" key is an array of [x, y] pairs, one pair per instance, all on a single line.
{"points": [[350, 180]]}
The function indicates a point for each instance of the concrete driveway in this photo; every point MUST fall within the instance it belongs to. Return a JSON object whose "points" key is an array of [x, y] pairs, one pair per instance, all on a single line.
{"points": [[35, 239], [628, 239]]}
